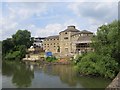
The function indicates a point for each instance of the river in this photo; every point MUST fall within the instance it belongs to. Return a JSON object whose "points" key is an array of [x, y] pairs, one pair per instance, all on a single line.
{"points": [[34, 75]]}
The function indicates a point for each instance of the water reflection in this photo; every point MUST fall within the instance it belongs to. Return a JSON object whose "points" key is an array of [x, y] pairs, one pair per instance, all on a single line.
{"points": [[21, 75], [26, 75], [66, 73]]}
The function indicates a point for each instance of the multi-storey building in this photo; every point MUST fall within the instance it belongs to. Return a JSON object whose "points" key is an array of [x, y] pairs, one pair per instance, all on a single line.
{"points": [[69, 41], [38, 42]]}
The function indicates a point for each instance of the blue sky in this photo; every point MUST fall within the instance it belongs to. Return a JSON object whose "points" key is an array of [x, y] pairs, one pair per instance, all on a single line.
{"points": [[49, 18]]}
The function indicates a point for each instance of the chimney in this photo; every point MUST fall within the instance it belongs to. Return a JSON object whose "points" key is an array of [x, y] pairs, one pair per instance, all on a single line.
{"points": [[71, 27]]}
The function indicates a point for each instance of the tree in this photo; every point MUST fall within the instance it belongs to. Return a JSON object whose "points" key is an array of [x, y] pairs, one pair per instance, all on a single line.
{"points": [[15, 47], [107, 39], [104, 60], [7, 46], [22, 37]]}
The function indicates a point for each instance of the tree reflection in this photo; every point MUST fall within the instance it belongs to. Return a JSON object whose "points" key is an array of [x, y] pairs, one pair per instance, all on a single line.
{"points": [[21, 75], [66, 73]]}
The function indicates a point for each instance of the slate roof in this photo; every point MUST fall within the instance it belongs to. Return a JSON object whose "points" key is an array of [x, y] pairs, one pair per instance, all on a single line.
{"points": [[53, 37], [83, 32], [71, 29], [84, 38]]}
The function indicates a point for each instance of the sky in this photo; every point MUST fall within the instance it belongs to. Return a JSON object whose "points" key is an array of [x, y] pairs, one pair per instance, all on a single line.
{"points": [[48, 17]]}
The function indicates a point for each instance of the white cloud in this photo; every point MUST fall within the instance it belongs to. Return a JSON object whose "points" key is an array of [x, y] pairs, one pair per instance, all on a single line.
{"points": [[51, 29], [97, 10], [26, 10], [18, 13], [96, 13], [61, 0]]}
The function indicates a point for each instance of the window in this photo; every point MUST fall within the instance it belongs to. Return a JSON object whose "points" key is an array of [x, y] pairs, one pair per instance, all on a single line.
{"points": [[66, 49], [65, 37], [65, 32]]}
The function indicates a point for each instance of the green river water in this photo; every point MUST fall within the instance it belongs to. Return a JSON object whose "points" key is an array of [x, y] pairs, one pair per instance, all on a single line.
{"points": [[33, 75]]}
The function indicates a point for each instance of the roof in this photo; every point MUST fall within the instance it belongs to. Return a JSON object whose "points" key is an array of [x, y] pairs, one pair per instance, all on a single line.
{"points": [[84, 38], [39, 38], [83, 32], [52, 37], [71, 29], [86, 32]]}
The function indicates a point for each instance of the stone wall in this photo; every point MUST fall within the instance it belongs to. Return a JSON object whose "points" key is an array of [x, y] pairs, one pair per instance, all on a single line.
{"points": [[115, 84]]}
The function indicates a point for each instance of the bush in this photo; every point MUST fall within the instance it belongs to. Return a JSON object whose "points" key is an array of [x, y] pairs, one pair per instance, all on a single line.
{"points": [[87, 64], [51, 59], [13, 55], [78, 57], [93, 64], [107, 66]]}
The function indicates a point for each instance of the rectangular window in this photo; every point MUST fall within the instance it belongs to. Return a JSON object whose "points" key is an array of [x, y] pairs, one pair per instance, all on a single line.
{"points": [[65, 37]]}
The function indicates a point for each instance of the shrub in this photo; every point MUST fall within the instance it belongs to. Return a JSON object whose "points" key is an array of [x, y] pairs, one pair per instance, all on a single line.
{"points": [[13, 55], [93, 64], [87, 64], [51, 59]]}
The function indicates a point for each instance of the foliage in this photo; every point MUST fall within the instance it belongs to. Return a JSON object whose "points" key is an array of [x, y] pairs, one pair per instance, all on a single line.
{"points": [[51, 59], [7, 45], [15, 47], [104, 60], [78, 58], [22, 37], [93, 64]]}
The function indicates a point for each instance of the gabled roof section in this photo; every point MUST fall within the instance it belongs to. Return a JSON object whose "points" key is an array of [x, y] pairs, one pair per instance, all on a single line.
{"points": [[85, 38], [53, 37], [71, 29], [86, 32], [83, 32]]}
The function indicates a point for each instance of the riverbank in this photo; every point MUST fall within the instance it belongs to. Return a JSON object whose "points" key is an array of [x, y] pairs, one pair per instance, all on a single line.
{"points": [[115, 84], [56, 62]]}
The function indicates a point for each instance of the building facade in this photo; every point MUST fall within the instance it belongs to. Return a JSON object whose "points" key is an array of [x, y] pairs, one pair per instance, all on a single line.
{"points": [[69, 42], [38, 42]]}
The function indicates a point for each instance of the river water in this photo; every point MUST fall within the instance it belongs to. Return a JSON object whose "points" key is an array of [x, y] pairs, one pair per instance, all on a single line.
{"points": [[34, 75]]}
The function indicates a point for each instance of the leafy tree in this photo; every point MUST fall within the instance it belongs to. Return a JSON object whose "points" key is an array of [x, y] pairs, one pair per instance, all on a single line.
{"points": [[22, 37], [15, 47], [7, 45], [104, 60]]}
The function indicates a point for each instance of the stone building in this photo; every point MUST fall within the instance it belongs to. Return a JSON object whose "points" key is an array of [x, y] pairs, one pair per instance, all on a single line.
{"points": [[51, 43], [69, 42]]}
